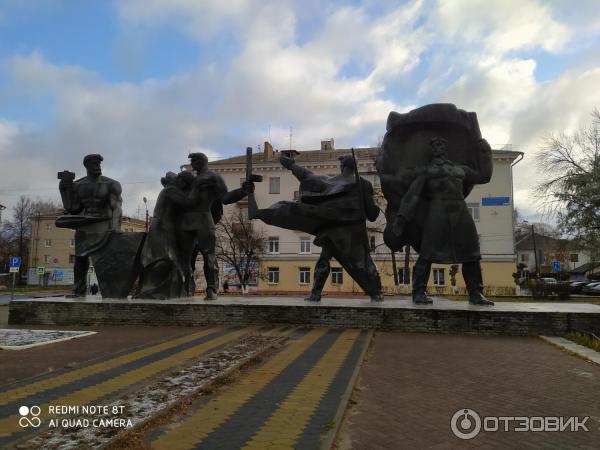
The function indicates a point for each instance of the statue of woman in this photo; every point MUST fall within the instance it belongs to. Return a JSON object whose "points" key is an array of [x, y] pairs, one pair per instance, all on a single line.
{"points": [[165, 256]]}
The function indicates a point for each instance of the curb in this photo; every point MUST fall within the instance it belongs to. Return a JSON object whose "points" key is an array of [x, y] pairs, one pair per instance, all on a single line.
{"points": [[329, 438]]}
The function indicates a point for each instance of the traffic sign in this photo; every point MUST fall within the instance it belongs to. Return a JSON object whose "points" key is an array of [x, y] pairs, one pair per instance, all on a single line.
{"points": [[58, 275], [14, 263], [556, 266], [41, 270]]}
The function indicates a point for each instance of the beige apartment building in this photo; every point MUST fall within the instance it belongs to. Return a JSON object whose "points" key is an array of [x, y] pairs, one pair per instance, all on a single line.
{"points": [[52, 251], [289, 261]]}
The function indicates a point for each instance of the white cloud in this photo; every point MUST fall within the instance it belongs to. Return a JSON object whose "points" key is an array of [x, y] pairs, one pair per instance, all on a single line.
{"points": [[340, 78], [502, 26]]}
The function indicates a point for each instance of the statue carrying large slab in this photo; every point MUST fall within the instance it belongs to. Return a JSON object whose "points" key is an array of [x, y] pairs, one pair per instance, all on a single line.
{"points": [[93, 209], [430, 160]]}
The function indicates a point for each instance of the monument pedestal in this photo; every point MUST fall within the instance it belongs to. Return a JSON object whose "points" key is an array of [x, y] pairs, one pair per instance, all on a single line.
{"points": [[400, 314]]}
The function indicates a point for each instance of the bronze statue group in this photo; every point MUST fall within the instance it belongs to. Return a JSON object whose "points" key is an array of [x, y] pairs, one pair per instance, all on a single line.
{"points": [[430, 160]]}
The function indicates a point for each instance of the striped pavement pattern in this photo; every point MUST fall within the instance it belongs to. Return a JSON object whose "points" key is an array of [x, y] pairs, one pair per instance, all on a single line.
{"points": [[290, 401], [106, 379]]}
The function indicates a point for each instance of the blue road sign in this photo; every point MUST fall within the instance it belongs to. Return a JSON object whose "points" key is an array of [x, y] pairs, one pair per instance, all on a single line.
{"points": [[556, 266], [14, 262], [495, 201]]}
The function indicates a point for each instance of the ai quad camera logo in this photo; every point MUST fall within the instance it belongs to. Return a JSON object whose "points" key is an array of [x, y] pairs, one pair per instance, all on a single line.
{"points": [[465, 424], [29, 416]]}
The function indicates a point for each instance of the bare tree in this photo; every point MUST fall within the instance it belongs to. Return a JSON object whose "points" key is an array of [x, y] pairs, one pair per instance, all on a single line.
{"points": [[571, 189], [15, 235], [240, 245]]}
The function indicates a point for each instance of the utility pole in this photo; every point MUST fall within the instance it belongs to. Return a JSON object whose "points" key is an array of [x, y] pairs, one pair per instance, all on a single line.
{"points": [[146, 204], [535, 254]]}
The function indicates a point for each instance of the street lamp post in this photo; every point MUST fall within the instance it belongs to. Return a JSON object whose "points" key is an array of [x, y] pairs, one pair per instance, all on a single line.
{"points": [[146, 205]]}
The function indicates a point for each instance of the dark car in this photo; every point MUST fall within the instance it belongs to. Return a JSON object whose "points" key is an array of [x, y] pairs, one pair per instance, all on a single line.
{"points": [[575, 287], [587, 289]]}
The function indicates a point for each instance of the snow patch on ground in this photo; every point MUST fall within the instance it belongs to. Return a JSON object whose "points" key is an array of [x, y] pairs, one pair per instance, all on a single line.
{"points": [[20, 339], [159, 395]]}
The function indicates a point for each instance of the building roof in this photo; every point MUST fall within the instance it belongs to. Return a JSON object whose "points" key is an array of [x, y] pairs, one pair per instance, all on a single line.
{"points": [[542, 241], [54, 216], [302, 156], [327, 155], [585, 268]]}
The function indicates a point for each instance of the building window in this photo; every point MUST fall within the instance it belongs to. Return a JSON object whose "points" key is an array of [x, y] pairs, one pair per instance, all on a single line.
{"points": [[296, 195], [474, 210], [273, 275], [48, 226], [304, 245], [403, 277], [274, 185], [48, 243], [304, 275], [274, 244], [71, 242], [524, 257], [439, 278], [46, 258], [574, 257], [337, 275], [71, 259], [372, 243]]}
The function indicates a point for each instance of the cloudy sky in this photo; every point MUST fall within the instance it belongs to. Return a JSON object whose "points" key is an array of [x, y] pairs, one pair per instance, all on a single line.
{"points": [[143, 82]]}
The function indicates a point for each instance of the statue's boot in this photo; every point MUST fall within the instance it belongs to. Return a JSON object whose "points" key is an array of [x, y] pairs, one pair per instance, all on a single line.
{"points": [[472, 274], [421, 298], [313, 297], [421, 271], [211, 294], [377, 297]]}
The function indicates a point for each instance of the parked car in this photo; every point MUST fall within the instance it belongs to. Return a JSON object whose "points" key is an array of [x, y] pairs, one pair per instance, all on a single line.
{"points": [[587, 289], [594, 290], [575, 287], [548, 280]]}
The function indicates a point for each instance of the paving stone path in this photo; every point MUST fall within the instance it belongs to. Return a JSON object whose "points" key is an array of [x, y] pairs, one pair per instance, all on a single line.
{"points": [[291, 400], [410, 386]]}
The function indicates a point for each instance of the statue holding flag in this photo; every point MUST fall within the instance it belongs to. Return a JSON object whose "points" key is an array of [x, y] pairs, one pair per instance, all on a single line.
{"points": [[334, 209]]}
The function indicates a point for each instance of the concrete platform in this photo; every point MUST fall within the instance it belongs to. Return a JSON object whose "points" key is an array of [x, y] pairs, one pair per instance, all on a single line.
{"points": [[400, 314]]}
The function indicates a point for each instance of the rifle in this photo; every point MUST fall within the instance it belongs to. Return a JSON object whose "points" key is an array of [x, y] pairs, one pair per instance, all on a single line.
{"points": [[361, 200]]}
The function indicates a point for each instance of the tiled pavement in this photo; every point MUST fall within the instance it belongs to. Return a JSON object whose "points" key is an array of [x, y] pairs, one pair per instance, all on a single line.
{"points": [[290, 400], [410, 385], [105, 379]]}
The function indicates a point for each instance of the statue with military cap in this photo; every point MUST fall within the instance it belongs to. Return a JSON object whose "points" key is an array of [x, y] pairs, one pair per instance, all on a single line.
{"points": [[208, 195]]}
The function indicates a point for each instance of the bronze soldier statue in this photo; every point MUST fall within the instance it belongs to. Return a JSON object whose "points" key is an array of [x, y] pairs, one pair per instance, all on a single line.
{"points": [[208, 194], [430, 160], [333, 209], [449, 234]]}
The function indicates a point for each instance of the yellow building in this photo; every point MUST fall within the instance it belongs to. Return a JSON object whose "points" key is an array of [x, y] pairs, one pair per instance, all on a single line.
{"points": [[52, 250], [290, 256]]}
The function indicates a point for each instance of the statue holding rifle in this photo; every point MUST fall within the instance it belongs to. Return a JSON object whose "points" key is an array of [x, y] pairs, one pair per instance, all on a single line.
{"points": [[334, 209]]}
